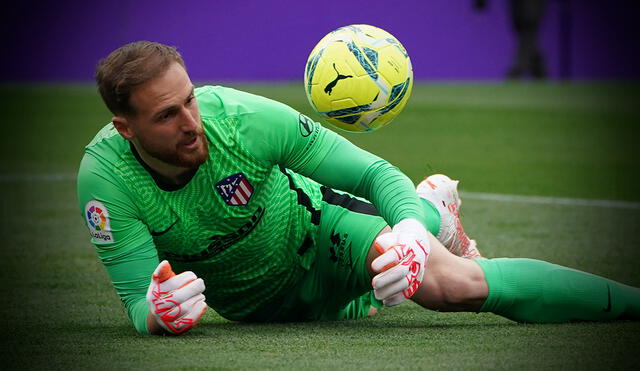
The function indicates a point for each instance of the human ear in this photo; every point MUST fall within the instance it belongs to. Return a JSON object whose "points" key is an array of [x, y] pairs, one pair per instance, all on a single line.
{"points": [[122, 125]]}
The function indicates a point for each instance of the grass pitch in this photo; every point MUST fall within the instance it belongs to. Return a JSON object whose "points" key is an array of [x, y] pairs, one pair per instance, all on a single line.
{"points": [[571, 141]]}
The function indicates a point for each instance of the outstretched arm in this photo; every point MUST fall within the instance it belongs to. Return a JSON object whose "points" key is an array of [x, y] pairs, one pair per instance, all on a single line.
{"points": [[281, 135], [126, 249]]}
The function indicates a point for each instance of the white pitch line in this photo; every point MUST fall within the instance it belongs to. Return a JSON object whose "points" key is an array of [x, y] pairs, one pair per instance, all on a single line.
{"points": [[549, 200], [60, 177]]}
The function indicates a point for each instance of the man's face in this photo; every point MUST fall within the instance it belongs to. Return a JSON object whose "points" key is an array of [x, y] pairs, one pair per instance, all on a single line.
{"points": [[167, 125]]}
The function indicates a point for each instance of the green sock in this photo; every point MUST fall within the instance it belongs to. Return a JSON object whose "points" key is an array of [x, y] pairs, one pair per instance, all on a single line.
{"points": [[432, 215], [528, 290]]}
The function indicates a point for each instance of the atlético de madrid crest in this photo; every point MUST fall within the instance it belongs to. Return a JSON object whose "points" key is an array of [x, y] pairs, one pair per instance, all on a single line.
{"points": [[235, 189]]}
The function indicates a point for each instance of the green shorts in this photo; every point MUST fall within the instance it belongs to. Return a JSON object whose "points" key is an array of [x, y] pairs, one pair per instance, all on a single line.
{"points": [[338, 285]]}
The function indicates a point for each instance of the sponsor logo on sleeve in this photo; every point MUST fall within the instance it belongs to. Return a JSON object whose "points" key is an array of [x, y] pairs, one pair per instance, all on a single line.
{"points": [[306, 125], [97, 218]]}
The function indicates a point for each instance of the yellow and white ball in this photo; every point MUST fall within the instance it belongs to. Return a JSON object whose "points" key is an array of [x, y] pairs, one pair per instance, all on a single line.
{"points": [[358, 77]]}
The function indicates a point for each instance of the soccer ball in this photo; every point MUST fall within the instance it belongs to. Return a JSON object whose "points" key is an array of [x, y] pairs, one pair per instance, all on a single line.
{"points": [[358, 78]]}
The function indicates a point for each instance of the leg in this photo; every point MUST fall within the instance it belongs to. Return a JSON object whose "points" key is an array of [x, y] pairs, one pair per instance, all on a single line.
{"points": [[529, 290], [523, 290], [451, 283]]}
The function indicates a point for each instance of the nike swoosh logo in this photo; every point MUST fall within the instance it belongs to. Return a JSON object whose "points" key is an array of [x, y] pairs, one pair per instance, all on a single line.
{"points": [[156, 234], [608, 308]]}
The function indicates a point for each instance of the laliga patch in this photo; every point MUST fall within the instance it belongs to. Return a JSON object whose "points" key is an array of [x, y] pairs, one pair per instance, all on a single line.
{"points": [[97, 218]]}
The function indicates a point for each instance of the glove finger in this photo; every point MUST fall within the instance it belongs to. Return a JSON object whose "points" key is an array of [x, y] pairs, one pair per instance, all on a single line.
{"points": [[188, 291], [387, 277], [387, 260], [178, 281], [385, 241], [160, 306], [394, 300], [159, 299], [163, 271], [190, 319], [391, 282], [196, 312], [181, 309], [393, 288], [157, 295]]}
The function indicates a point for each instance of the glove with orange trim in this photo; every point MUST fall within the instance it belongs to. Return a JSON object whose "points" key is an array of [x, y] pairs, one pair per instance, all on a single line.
{"points": [[176, 301], [401, 265]]}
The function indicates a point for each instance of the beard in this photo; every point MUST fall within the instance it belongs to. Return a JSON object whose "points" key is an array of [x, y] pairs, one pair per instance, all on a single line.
{"points": [[178, 155]]}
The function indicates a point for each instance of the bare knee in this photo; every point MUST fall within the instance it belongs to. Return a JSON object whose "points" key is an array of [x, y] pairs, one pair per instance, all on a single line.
{"points": [[451, 283], [461, 292]]}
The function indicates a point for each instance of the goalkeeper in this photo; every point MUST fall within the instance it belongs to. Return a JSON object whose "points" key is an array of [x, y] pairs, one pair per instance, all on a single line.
{"points": [[252, 202]]}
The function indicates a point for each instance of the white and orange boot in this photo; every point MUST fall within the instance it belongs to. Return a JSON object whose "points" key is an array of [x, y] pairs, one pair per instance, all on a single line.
{"points": [[442, 192]]}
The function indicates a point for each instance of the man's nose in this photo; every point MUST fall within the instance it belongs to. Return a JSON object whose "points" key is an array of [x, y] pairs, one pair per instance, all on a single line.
{"points": [[188, 121]]}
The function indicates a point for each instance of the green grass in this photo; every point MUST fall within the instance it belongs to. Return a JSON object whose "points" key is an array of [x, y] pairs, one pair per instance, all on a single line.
{"points": [[579, 140]]}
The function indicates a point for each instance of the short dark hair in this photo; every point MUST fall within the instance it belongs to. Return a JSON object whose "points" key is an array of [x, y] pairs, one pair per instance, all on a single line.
{"points": [[131, 65]]}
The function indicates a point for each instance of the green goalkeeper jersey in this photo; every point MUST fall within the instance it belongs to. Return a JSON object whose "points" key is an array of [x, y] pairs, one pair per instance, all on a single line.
{"points": [[246, 222]]}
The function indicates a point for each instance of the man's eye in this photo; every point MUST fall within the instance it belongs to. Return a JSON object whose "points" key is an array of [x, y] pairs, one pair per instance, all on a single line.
{"points": [[165, 116]]}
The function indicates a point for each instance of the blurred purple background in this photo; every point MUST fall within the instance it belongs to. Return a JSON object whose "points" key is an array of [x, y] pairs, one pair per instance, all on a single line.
{"points": [[270, 40]]}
